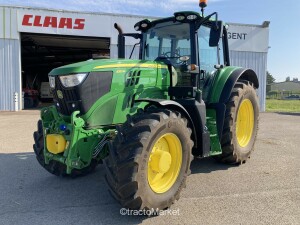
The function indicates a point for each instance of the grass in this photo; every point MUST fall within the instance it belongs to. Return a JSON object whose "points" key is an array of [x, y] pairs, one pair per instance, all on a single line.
{"points": [[274, 105]]}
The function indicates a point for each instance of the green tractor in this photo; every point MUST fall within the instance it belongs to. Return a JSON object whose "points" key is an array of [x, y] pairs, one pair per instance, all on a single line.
{"points": [[146, 119]]}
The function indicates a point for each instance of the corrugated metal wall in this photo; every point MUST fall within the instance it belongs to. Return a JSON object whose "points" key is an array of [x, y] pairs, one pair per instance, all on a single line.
{"points": [[10, 78], [258, 62]]}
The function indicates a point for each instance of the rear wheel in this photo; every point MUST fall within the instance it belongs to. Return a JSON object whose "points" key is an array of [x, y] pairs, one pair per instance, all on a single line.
{"points": [[149, 160], [55, 167], [240, 124]]}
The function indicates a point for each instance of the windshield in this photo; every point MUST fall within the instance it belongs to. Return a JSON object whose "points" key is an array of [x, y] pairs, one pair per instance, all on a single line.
{"points": [[169, 39]]}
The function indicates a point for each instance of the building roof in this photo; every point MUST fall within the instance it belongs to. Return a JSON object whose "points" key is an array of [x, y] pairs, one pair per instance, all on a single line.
{"points": [[285, 86]]}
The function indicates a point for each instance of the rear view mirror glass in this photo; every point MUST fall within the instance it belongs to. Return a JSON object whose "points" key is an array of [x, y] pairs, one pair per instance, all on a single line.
{"points": [[215, 33]]}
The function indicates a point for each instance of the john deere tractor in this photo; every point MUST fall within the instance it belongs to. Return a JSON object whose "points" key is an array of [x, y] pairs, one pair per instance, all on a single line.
{"points": [[146, 119]]}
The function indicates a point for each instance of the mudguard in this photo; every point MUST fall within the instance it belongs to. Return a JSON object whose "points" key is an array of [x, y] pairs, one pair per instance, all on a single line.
{"points": [[175, 106], [221, 89]]}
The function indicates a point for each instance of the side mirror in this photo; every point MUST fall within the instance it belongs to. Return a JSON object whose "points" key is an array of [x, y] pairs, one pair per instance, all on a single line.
{"points": [[215, 33]]}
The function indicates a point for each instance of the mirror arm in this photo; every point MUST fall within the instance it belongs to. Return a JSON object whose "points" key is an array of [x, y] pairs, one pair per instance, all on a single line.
{"points": [[206, 19]]}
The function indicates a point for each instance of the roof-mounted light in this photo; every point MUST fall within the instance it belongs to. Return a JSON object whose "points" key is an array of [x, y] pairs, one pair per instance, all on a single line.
{"points": [[186, 16], [142, 25], [202, 4], [192, 17], [137, 27], [180, 17]]}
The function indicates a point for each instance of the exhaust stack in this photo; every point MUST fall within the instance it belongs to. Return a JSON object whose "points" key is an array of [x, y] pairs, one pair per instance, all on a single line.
{"points": [[121, 42]]}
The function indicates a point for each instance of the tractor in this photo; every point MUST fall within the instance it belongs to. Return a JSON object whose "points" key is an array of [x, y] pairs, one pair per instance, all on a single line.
{"points": [[146, 119]]}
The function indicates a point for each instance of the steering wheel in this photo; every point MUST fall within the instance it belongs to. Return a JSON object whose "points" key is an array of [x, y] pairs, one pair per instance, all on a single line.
{"points": [[168, 55]]}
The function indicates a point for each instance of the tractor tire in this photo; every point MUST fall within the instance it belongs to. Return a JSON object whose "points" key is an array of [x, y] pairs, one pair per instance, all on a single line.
{"points": [[149, 160], [55, 167], [240, 124]]}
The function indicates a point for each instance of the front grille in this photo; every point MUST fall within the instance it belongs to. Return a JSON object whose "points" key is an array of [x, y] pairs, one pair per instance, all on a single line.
{"points": [[83, 96], [69, 97]]}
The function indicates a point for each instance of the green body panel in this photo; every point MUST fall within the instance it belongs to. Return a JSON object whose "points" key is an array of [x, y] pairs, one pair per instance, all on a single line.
{"points": [[211, 122]]}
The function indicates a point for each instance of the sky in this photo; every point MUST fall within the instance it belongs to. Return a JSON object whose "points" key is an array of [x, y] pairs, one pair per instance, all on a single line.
{"points": [[284, 15]]}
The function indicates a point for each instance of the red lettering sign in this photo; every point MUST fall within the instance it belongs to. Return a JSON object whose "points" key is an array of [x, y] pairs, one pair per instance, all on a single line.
{"points": [[26, 19], [65, 22], [37, 21], [79, 24], [52, 21]]}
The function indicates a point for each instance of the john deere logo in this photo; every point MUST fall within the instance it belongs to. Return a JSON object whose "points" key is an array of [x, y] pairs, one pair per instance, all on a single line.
{"points": [[60, 94]]}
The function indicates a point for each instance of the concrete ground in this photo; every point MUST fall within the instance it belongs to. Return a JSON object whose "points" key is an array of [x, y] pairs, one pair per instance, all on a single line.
{"points": [[265, 190]]}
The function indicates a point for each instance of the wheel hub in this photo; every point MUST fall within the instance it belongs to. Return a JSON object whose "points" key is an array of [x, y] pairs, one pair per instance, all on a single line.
{"points": [[164, 163], [245, 123], [161, 161]]}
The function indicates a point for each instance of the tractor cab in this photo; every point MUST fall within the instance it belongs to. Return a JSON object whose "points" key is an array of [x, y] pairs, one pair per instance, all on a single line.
{"points": [[192, 46]]}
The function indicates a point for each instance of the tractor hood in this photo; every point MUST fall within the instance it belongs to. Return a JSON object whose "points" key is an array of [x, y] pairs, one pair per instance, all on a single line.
{"points": [[100, 64]]}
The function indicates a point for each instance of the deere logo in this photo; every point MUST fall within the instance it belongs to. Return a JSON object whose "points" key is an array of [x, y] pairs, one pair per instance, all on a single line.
{"points": [[60, 94]]}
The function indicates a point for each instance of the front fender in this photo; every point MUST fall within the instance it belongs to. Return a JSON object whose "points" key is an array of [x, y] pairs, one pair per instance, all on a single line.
{"points": [[175, 106]]}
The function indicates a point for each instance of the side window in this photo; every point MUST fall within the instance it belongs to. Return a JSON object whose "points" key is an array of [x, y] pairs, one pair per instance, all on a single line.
{"points": [[209, 56], [221, 51], [152, 47]]}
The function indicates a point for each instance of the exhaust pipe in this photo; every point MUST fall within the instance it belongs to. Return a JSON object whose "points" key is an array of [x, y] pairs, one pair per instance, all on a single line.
{"points": [[118, 28], [121, 42]]}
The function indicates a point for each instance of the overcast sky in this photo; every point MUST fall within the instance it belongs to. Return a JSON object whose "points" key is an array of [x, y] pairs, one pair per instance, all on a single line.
{"points": [[284, 16]]}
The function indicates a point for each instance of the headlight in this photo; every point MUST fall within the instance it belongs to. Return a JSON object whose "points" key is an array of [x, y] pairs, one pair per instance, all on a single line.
{"points": [[52, 81], [72, 80]]}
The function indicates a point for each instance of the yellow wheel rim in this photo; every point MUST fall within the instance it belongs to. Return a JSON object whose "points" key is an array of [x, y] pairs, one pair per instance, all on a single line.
{"points": [[245, 123], [164, 163]]}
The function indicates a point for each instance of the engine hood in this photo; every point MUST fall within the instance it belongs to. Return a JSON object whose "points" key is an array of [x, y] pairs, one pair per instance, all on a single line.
{"points": [[104, 64]]}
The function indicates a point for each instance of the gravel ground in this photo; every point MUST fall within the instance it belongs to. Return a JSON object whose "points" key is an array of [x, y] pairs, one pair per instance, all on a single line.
{"points": [[265, 190]]}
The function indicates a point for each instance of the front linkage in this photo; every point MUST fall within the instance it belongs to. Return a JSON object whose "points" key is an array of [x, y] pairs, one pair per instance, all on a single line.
{"points": [[69, 143]]}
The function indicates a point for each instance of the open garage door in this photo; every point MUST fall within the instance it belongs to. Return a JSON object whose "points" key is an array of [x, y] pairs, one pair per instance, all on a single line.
{"points": [[40, 53]]}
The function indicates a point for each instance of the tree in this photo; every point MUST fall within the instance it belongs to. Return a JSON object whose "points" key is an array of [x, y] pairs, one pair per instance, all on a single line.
{"points": [[287, 79], [270, 78]]}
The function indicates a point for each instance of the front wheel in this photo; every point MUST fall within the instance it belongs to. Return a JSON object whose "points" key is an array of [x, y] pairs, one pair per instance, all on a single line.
{"points": [[240, 124], [149, 160]]}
